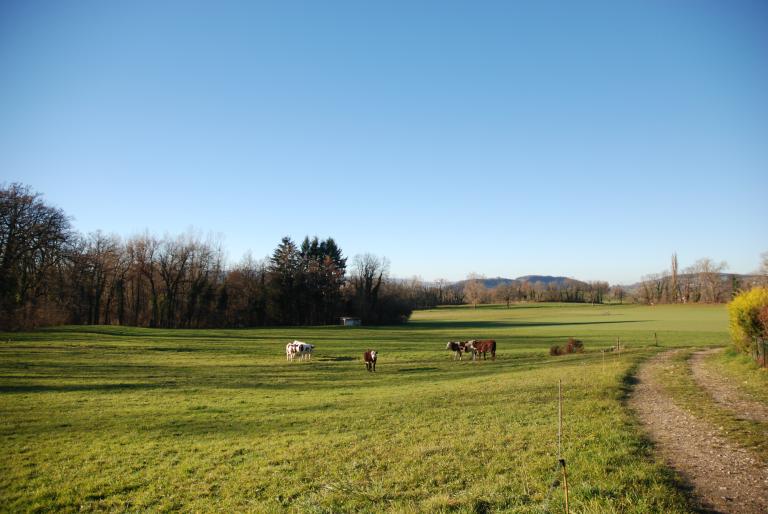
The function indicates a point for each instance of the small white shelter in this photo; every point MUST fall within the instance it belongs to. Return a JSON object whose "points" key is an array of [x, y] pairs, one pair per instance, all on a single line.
{"points": [[351, 322]]}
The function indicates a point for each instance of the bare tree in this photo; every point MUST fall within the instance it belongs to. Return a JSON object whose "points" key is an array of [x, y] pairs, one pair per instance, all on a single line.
{"points": [[504, 293], [174, 257], [441, 285], [33, 242], [368, 272], [474, 290], [764, 268], [674, 287], [93, 269], [710, 279], [653, 288], [619, 293], [143, 252]]}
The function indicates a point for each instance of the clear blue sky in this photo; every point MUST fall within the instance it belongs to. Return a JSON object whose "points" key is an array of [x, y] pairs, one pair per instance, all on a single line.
{"points": [[587, 139]]}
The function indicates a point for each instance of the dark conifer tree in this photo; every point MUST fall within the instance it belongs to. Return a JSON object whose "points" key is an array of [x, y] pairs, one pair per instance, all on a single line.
{"points": [[284, 271]]}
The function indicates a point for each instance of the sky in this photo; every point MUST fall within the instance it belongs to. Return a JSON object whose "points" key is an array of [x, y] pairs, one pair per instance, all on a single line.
{"points": [[585, 139]]}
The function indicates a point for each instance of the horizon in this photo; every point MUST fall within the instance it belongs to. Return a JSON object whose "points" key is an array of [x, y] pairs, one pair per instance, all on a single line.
{"points": [[590, 141]]}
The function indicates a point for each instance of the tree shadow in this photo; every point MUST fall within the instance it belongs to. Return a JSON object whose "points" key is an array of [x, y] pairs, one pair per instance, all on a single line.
{"points": [[37, 388], [514, 324]]}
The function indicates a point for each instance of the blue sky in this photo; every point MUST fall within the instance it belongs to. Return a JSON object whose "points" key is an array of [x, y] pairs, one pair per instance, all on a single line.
{"points": [[586, 139]]}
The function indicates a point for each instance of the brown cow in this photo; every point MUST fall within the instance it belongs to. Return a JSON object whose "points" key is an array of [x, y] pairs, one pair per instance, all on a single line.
{"points": [[482, 346], [370, 360]]}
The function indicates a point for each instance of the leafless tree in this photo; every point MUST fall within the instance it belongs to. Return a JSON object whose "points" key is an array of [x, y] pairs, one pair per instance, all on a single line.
{"points": [[618, 293], [674, 287], [504, 293], [474, 290], [33, 242], [710, 279], [368, 272]]}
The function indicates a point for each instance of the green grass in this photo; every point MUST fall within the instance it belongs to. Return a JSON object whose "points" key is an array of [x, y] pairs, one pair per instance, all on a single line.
{"points": [[743, 372], [126, 419], [679, 381]]}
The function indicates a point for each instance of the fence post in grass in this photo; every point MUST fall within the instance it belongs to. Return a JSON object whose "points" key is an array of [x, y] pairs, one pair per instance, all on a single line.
{"points": [[754, 352], [559, 418], [560, 458], [656, 338]]}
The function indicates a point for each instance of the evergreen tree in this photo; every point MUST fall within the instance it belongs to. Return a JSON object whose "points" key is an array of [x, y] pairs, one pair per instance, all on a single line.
{"points": [[284, 271]]}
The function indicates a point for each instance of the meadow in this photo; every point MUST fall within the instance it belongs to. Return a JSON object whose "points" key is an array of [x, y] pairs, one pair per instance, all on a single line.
{"points": [[127, 419]]}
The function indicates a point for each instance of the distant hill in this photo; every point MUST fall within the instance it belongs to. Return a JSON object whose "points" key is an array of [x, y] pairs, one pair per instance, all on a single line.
{"points": [[491, 283], [547, 279]]}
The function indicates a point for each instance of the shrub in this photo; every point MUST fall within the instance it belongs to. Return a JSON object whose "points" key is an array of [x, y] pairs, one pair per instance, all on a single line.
{"points": [[574, 346], [746, 318]]}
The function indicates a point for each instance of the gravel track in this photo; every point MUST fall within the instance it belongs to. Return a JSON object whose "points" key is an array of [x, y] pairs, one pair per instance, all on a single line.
{"points": [[724, 477]]}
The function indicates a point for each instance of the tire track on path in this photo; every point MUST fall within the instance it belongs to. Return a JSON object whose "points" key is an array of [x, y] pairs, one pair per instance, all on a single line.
{"points": [[724, 477], [725, 394]]}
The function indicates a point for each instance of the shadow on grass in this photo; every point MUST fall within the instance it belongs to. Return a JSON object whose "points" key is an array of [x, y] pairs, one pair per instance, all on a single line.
{"points": [[79, 387], [513, 324]]}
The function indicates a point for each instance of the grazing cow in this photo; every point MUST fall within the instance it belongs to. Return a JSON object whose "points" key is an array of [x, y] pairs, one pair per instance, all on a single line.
{"points": [[291, 350], [457, 347], [482, 346], [370, 359], [303, 350]]}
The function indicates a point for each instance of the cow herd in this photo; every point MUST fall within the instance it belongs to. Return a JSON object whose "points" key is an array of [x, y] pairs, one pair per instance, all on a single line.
{"points": [[298, 349], [476, 347]]}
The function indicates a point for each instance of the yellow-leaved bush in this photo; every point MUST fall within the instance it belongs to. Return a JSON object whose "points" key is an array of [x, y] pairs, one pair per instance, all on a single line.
{"points": [[744, 313]]}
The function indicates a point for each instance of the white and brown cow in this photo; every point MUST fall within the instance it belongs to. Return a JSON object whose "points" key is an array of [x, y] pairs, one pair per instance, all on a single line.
{"points": [[300, 349], [457, 347], [369, 358]]}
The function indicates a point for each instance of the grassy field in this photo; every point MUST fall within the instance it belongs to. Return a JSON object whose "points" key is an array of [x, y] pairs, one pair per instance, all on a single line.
{"points": [[124, 419], [744, 371]]}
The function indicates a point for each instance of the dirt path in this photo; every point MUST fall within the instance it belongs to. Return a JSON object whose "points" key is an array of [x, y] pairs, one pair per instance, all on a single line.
{"points": [[724, 477], [724, 392]]}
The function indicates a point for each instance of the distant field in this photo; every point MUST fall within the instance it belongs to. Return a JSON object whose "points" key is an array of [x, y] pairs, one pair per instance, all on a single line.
{"points": [[114, 418]]}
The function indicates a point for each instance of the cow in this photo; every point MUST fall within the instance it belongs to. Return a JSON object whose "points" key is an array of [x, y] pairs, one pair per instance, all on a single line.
{"points": [[291, 350], [482, 346], [303, 350], [457, 347], [369, 358]]}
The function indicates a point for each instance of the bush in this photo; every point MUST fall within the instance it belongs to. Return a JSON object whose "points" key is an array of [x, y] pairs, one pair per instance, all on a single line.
{"points": [[574, 346], [747, 320]]}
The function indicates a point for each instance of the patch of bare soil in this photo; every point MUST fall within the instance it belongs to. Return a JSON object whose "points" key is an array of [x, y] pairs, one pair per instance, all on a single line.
{"points": [[722, 390], [724, 477]]}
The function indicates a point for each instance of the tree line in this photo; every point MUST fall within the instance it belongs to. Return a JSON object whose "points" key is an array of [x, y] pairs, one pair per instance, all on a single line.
{"points": [[51, 274], [705, 281]]}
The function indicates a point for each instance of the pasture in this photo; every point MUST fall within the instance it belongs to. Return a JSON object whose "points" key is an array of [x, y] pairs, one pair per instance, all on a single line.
{"points": [[125, 419]]}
